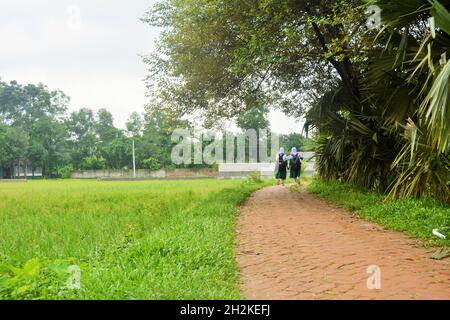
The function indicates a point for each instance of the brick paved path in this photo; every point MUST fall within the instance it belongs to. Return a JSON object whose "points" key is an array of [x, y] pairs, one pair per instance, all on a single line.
{"points": [[295, 246]]}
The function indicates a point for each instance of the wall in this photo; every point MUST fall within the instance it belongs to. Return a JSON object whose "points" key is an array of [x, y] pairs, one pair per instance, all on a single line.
{"points": [[145, 174], [118, 174], [267, 170], [192, 173]]}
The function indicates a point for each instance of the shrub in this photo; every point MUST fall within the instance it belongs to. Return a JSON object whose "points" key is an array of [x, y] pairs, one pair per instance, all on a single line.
{"points": [[152, 164], [93, 163], [254, 177], [65, 172]]}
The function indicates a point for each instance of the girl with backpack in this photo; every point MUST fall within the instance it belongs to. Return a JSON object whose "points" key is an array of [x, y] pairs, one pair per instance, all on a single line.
{"points": [[282, 164], [295, 164]]}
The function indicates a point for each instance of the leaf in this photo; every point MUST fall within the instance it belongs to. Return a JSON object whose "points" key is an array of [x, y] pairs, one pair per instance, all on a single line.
{"points": [[441, 16], [441, 254], [31, 269], [22, 290], [375, 137]]}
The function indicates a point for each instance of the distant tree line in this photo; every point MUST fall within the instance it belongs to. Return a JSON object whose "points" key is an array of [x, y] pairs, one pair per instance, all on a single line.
{"points": [[37, 131]]}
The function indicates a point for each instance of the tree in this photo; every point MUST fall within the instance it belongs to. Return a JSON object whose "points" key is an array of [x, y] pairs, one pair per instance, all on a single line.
{"points": [[4, 156], [104, 127], [377, 101], [83, 140], [93, 163], [213, 56], [119, 153], [256, 118], [156, 142], [293, 140], [135, 125], [36, 114]]}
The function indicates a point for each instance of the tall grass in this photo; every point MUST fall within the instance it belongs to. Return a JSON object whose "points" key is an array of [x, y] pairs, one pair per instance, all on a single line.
{"points": [[139, 240]]}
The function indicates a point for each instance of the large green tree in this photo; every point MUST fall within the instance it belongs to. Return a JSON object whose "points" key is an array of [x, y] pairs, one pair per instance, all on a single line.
{"points": [[36, 134], [377, 99], [215, 55]]}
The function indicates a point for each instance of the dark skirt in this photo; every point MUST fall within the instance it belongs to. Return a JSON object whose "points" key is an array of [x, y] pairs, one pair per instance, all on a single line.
{"points": [[295, 173], [281, 174]]}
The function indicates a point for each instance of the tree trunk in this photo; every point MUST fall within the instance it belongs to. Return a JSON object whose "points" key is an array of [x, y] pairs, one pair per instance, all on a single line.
{"points": [[345, 68]]}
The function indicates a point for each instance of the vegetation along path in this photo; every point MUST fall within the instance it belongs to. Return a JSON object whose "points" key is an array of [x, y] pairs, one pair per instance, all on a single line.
{"points": [[291, 245]]}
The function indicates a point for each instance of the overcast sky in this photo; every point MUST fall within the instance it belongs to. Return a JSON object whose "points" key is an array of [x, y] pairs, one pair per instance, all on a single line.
{"points": [[87, 48]]}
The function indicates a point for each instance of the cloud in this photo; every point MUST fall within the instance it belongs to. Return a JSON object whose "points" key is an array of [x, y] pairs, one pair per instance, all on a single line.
{"points": [[88, 49], [96, 62]]}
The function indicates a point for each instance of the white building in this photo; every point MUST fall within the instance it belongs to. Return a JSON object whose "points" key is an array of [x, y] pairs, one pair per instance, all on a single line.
{"points": [[267, 170], [27, 172]]}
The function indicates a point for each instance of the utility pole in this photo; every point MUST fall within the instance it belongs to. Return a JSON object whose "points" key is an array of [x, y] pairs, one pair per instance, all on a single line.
{"points": [[134, 161]]}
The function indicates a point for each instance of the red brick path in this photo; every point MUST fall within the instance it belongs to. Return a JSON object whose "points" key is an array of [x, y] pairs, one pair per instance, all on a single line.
{"points": [[295, 246]]}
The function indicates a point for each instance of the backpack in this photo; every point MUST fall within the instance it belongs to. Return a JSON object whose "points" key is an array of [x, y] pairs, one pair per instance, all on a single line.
{"points": [[296, 162], [281, 163]]}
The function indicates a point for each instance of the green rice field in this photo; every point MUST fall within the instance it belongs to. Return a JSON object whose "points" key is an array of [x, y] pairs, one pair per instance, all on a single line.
{"points": [[74, 239]]}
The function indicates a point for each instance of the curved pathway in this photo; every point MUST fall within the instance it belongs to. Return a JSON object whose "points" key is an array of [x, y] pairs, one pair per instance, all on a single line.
{"points": [[292, 245]]}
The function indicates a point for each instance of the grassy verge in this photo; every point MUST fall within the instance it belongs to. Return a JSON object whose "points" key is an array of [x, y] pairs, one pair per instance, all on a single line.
{"points": [[416, 217], [141, 240]]}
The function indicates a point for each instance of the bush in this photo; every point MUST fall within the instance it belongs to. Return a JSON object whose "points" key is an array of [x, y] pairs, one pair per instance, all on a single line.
{"points": [[93, 163], [37, 278], [152, 164], [170, 167], [65, 172], [254, 177], [304, 166]]}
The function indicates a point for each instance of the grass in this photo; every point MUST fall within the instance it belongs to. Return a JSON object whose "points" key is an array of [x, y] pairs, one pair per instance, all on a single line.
{"points": [[416, 217], [131, 240]]}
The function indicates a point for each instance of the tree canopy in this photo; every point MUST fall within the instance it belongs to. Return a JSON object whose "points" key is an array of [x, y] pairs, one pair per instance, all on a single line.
{"points": [[36, 131], [378, 99]]}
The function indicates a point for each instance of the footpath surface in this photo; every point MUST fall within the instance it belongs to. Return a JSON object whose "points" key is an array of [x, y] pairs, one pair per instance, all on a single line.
{"points": [[292, 245]]}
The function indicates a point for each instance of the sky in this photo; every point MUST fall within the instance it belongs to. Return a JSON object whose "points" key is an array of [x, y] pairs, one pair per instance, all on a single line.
{"points": [[89, 49]]}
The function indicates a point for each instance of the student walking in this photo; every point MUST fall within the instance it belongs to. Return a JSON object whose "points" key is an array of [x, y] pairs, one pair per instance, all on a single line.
{"points": [[282, 164], [295, 164]]}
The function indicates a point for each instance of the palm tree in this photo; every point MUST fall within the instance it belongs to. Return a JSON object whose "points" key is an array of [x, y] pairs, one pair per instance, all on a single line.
{"points": [[418, 39], [397, 137]]}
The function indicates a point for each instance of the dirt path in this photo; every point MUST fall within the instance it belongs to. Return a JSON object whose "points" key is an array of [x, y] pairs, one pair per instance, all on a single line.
{"points": [[295, 246]]}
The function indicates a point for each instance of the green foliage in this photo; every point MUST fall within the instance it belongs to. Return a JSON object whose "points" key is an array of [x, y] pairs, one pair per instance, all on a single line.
{"points": [[36, 279], [254, 177], [65, 172], [395, 138], [255, 118], [418, 103], [135, 125], [359, 86], [219, 57], [151, 164], [140, 240], [309, 145], [33, 131], [417, 217], [156, 142], [298, 141], [93, 163], [36, 131]]}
